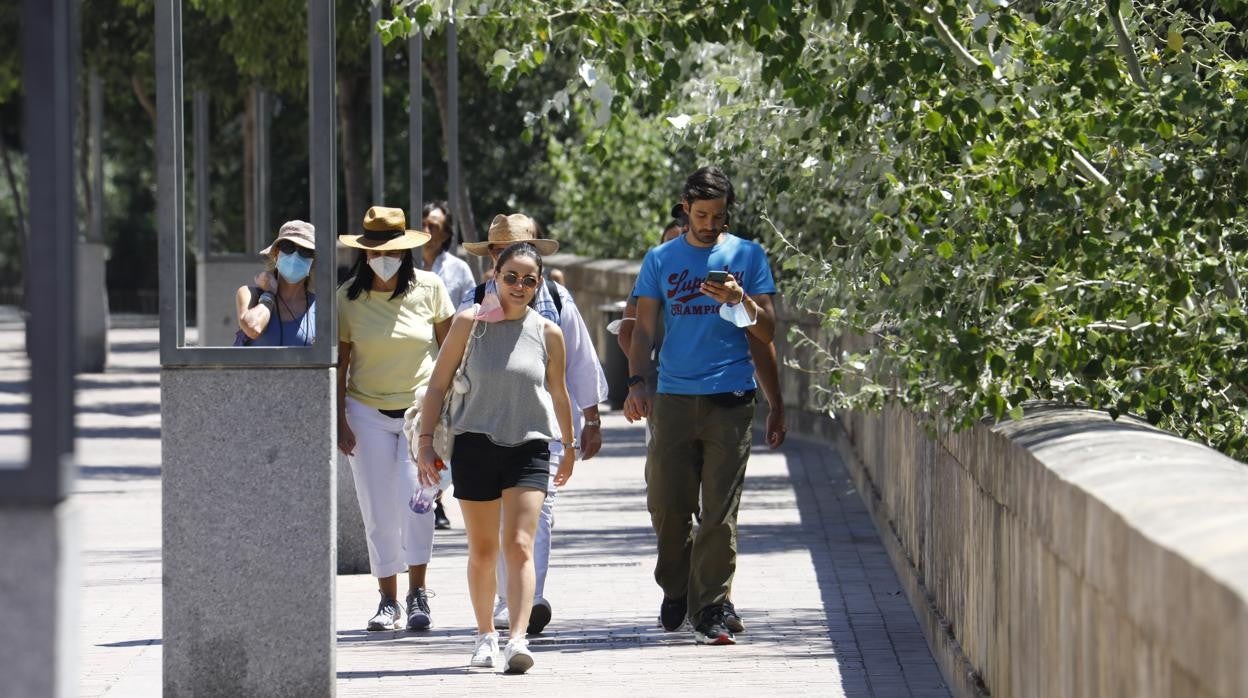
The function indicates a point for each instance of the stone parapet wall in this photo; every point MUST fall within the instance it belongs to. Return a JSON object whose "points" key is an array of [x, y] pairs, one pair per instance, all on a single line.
{"points": [[1062, 555]]}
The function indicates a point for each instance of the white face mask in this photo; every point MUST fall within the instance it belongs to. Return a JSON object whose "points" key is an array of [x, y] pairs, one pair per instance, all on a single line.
{"points": [[737, 315], [385, 267]]}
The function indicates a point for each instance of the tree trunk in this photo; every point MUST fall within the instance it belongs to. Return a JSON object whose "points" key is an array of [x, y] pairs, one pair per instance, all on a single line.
{"points": [[140, 94], [435, 73], [249, 169], [350, 107]]}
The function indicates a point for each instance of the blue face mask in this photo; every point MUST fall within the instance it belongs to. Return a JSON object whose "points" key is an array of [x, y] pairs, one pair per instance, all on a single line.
{"points": [[293, 267]]}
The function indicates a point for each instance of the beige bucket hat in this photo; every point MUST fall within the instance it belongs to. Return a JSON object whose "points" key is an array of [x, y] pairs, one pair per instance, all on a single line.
{"points": [[385, 229], [299, 232], [508, 230]]}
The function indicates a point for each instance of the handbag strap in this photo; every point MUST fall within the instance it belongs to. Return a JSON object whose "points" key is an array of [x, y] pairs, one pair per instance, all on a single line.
{"points": [[463, 360]]}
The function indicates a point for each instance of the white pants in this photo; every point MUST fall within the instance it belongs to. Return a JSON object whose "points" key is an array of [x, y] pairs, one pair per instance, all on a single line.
{"points": [[385, 479], [541, 543]]}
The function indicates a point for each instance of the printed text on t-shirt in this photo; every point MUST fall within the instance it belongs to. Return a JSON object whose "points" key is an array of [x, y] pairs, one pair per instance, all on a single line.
{"points": [[682, 283]]}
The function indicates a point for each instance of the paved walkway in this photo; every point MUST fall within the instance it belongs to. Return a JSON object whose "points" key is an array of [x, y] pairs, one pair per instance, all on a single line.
{"points": [[824, 611]]}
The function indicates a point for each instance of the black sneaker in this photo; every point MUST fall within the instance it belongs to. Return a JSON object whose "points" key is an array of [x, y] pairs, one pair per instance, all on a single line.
{"points": [[418, 615], [539, 617], [711, 630], [387, 617], [731, 619], [672, 613], [440, 521]]}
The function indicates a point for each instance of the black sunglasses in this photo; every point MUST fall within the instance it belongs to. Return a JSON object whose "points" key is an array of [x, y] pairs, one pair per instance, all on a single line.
{"points": [[511, 278], [287, 247]]}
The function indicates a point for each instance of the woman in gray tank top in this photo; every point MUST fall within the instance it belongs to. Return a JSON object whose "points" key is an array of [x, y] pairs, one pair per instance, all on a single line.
{"points": [[517, 402]]}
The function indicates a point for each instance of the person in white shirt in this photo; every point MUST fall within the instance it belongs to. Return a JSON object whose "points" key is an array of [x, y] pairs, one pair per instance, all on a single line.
{"points": [[587, 385], [438, 254]]}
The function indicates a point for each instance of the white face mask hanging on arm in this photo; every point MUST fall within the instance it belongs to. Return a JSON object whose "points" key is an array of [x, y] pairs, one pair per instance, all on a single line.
{"points": [[737, 314]]}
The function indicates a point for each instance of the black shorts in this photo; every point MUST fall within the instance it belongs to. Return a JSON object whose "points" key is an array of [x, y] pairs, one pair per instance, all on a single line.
{"points": [[481, 469]]}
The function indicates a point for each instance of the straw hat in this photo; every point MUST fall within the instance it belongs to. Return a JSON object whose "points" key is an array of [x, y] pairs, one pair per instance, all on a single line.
{"points": [[299, 232], [508, 230], [385, 229]]}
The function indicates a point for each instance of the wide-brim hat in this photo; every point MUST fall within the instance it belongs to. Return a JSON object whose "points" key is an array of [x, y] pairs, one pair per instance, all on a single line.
{"points": [[299, 232], [385, 229], [508, 230]]}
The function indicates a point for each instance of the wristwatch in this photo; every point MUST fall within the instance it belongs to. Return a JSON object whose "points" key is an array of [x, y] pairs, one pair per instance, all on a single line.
{"points": [[593, 422], [636, 380]]}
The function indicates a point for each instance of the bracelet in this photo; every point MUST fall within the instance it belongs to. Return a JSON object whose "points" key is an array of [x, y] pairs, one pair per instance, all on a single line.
{"points": [[424, 436]]}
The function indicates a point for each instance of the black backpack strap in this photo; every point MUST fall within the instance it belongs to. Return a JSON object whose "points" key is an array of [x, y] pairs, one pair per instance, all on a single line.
{"points": [[553, 288], [478, 293]]}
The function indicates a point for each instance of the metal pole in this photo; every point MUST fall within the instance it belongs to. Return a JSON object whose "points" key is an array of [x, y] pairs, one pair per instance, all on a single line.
{"points": [[415, 122], [322, 126], [96, 126], [374, 16], [452, 119], [170, 178], [261, 182], [203, 205], [49, 59]]}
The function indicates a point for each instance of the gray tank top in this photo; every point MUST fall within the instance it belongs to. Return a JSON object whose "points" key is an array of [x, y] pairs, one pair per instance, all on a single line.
{"points": [[507, 398]]}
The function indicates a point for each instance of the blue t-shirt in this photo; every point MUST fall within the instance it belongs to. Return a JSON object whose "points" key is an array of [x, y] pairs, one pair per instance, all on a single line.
{"points": [[300, 332], [702, 353]]}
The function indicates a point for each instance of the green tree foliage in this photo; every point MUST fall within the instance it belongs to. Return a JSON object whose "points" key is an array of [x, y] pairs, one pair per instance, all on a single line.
{"points": [[593, 213], [1037, 201]]}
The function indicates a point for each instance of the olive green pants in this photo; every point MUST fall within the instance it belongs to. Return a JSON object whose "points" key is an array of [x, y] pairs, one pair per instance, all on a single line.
{"points": [[696, 447]]}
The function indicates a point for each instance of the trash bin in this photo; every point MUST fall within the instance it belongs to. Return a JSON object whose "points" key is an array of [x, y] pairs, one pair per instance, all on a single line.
{"points": [[616, 363]]}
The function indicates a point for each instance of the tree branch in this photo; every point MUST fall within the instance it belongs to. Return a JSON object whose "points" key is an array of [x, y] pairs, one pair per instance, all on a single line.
{"points": [[1114, 8]]}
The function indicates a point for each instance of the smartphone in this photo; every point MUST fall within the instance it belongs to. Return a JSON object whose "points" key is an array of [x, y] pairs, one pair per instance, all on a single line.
{"points": [[719, 276]]}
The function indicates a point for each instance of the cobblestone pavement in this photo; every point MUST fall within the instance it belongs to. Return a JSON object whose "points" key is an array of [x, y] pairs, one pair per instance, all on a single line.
{"points": [[824, 612]]}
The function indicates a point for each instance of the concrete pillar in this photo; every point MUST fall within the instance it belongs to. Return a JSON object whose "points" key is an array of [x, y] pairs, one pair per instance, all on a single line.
{"points": [[39, 591], [92, 307], [261, 184], [352, 545], [39, 587], [248, 518], [415, 123], [377, 106], [92, 254]]}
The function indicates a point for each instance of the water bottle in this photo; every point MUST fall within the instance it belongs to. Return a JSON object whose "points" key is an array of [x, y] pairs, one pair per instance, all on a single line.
{"points": [[422, 500]]}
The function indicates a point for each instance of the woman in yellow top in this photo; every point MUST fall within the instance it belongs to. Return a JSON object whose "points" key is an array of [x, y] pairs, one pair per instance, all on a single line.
{"points": [[392, 318]]}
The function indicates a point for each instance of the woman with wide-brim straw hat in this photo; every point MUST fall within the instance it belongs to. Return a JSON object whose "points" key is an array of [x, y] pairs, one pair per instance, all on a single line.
{"points": [[280, 309], [392, 318]]}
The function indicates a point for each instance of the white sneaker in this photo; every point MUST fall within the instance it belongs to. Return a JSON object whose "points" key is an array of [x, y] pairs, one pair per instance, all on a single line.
{"points": [[517, 658], [501, 619], [486, 650]]}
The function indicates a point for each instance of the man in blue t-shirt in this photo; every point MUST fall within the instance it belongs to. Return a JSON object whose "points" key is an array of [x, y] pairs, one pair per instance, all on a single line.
{"points": [[712, 289]]}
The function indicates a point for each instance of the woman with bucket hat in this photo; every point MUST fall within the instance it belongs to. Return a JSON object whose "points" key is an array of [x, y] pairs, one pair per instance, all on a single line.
{"points": [[282, 291], [392, 318]]}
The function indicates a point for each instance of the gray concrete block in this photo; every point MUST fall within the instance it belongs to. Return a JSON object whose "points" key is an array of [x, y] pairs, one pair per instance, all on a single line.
{"points": [[248, 520], [92, 308], [39, 592], [352, 544]]}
